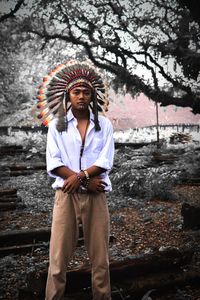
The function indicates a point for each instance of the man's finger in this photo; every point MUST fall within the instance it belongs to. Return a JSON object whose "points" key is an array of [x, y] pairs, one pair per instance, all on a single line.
{"points": [[63, 188]]}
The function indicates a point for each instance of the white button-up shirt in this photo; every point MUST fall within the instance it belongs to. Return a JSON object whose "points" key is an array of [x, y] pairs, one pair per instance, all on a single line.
{"points": [[63, 149]]}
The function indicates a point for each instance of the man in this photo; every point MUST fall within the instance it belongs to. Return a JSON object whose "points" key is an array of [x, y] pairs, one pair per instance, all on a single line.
{"points": [[80, 152]]}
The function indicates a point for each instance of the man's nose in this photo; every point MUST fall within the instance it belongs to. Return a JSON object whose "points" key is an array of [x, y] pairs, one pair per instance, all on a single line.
{"points": [[81, 95]]}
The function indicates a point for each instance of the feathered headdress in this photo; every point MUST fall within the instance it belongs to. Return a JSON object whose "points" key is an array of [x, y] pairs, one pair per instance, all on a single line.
{"points": [[51, 98]]}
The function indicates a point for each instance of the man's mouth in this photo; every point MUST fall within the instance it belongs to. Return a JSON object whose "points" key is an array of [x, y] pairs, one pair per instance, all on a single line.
{"points": [[81, 103]]}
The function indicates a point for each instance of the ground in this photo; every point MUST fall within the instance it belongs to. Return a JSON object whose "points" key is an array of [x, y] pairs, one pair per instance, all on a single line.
{"points": [[138, 226]]}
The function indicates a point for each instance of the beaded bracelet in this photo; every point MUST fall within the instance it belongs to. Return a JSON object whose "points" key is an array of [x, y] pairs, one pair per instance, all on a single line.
{"points": [[87, 178], [79, 178], [86, 183]]}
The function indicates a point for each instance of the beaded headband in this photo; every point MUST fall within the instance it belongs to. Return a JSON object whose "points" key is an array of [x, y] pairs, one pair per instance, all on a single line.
{"points": [[62, 79]]}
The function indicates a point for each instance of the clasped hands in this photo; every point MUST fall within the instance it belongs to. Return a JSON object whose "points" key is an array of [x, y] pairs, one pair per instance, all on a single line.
{"points": [[73, 183]]}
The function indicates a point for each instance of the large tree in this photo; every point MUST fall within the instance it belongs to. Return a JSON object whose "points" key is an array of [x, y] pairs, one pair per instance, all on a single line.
{"points": [[23, 62], [148, 46]]}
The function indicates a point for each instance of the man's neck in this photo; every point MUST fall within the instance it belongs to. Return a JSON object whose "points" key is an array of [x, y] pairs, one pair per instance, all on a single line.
{"points": [[81, 114]]}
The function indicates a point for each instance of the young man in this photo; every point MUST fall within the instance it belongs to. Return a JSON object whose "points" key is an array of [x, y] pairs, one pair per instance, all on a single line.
{"points": [[80, 152]]}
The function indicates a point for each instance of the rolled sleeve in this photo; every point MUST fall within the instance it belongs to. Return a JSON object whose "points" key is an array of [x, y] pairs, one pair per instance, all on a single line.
{"points": [[53, 154]]}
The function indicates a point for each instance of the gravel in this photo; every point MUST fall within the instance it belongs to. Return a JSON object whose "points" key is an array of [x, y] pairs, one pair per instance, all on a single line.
{"points": [[143, 218]]}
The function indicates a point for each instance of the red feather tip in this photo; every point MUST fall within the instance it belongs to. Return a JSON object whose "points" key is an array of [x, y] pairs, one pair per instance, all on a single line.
{"points": [[41, 91], [41, 104], [39, 116], [45, 123], [52, 73], [60, 66], [43, 113], [46, 78], [44, 84], [41, 97], [47, 120]]}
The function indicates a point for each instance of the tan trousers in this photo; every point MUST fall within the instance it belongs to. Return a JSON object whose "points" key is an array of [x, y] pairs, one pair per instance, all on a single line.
{"points": [[69, 210]]}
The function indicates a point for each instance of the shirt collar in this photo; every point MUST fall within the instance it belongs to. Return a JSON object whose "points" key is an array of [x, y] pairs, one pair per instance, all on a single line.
{"points": [[70, 115]]}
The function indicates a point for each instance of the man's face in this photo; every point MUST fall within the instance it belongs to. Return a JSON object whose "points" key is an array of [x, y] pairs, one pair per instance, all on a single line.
{"points": [[80, 97]]}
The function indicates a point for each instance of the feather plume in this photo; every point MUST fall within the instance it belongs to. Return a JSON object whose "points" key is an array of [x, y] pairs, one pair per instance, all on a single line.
{"points": [[41, 97], [51, 96], [61, 119], [46, 112], [45, 104], [47, 120]]}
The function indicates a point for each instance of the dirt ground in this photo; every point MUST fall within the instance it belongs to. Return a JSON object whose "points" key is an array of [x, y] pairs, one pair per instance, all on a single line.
{"points": [[138, 226], [136, 229]]}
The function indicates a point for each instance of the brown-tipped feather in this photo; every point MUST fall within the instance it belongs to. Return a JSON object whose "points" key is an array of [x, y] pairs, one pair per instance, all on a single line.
{"points": [[61, 119]]}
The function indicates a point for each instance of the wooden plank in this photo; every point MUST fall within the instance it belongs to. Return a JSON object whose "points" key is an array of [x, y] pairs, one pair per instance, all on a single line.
{"points": [[11, 150], [21, 173], [9, 199], [24, 167], [133, 145], [7, 191], [20, 249], [7, 206], [16, 241], [132, 275], [24, 236]]}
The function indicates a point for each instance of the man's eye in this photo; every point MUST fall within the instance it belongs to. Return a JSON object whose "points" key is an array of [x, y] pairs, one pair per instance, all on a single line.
{"points": [[87, 93]]}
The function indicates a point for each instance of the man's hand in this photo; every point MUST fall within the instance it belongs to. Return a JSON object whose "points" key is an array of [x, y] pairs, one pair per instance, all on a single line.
{"points": [[71, 184], [96, 184]]}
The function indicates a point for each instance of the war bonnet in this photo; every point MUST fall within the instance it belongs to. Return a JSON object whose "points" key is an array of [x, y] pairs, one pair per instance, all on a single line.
{"points": [[52, 94]]}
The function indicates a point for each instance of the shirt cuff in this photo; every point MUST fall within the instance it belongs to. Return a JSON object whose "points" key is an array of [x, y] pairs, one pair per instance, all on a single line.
{"points": [[52, 167], [104, 164]]}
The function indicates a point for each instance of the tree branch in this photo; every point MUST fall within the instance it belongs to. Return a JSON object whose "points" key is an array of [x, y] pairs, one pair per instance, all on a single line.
{"points": [[11, 14]]}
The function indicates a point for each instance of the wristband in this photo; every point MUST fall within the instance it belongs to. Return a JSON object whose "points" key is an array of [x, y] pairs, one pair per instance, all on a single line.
{"points": [[86, 174], [79, 178], [86, 183]]}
